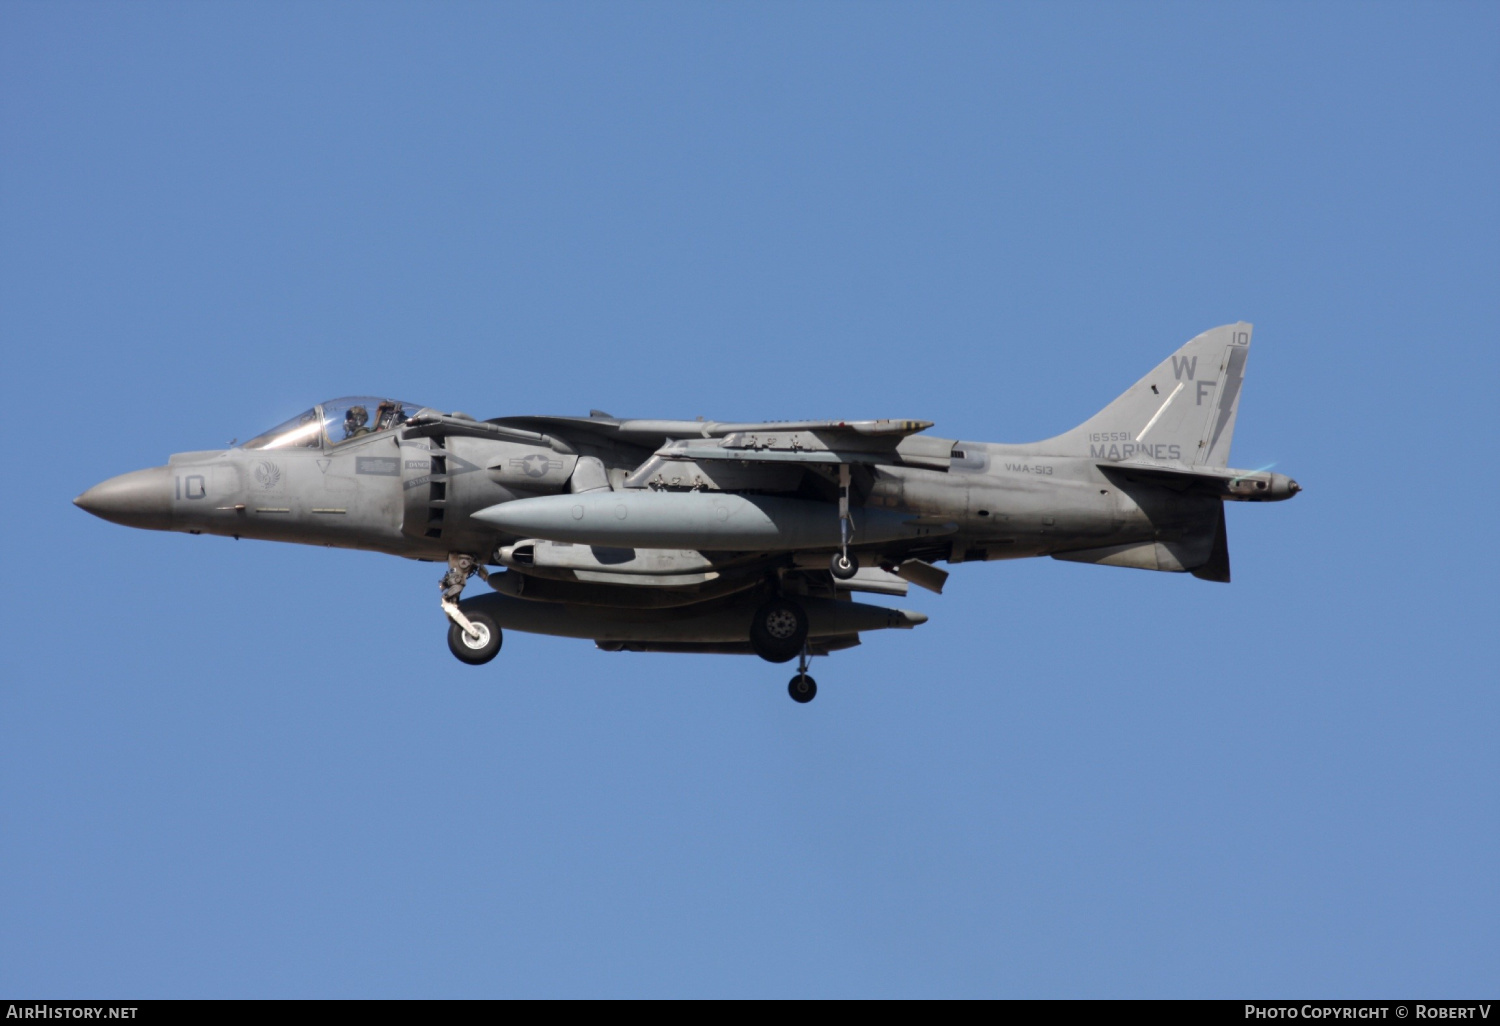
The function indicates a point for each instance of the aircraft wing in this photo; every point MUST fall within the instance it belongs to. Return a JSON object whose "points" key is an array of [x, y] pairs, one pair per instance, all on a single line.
{"points": [[788, 444], [794, 450], [657, 432]]}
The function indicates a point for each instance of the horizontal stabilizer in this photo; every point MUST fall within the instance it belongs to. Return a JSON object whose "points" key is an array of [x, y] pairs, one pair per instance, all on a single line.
{"points": [[1223, 483]]}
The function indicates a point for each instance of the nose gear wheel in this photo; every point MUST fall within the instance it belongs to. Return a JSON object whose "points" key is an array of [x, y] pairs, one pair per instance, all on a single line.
{"points": [[473, 638], [479, 647]]}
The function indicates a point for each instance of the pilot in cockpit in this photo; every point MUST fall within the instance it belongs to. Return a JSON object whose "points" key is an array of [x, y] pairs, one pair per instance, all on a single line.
{"points": [[355, 422]]}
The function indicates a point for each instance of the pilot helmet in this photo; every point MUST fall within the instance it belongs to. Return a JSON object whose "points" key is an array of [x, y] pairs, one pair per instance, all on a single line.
{"points": [[357, 416]]}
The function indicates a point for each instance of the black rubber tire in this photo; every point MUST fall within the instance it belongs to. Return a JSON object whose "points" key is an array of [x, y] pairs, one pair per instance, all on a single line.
{"points": [[843, 568], [465, 650], [778, 631], [802, 688]]}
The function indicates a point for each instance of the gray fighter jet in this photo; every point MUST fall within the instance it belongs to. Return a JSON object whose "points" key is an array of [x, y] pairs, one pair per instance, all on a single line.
{"points": [[697, 536]]}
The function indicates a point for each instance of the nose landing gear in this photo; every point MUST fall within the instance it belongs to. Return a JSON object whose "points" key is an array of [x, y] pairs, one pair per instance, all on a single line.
{"points": [[473, 638]]}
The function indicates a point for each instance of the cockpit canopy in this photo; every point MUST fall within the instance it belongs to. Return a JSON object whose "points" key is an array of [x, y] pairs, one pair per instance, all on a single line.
{"points": [[335, 422]]}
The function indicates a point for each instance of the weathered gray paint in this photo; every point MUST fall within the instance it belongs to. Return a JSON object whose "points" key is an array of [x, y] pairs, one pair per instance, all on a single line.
{"points": [[686, 526]]}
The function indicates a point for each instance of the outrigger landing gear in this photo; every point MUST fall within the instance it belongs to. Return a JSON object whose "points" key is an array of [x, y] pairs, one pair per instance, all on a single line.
{"points": [[474, 638], [844, 565], [802, 688]]}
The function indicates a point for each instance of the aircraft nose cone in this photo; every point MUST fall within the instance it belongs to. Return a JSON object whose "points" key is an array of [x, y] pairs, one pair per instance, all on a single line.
{"points": [[141, 498], [1293, 487]]}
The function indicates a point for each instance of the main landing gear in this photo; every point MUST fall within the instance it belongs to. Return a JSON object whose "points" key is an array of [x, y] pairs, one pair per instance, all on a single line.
{"points": [[473, 638], [778, 633]]}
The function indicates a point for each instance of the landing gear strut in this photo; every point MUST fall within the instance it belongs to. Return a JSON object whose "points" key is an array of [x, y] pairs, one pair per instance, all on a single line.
{"points": [[844, 565], [474, 638], [802, 688]]}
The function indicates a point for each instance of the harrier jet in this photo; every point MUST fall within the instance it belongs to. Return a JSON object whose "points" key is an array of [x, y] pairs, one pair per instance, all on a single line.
{"points": [[699, 536]]}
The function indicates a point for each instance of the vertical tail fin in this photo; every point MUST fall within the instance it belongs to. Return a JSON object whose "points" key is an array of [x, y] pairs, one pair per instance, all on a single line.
{"points": [[1182, 412]]}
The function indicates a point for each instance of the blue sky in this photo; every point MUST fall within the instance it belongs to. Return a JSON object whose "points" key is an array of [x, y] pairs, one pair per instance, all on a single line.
{"points": [[243, 769]]}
